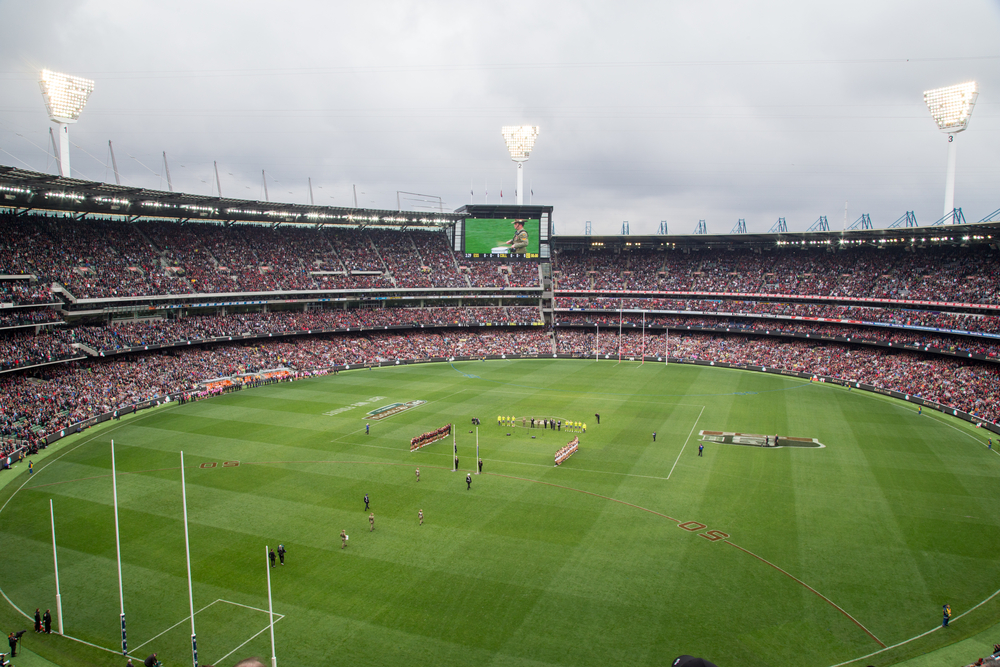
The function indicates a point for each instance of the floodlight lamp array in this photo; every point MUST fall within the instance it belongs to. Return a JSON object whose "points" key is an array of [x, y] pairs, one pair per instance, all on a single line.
{"points": [[520, 140], [65, 195], [951, 107], [65, 95]]}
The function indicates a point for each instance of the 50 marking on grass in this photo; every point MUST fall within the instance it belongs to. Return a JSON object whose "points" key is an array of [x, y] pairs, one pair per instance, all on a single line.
{"points": [[710, 535], [225, 464]]}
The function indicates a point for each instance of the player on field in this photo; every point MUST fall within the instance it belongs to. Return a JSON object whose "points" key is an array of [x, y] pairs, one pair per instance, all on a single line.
{"points": [[371, 520], [418, 474], [343, 538], [420, 515]]}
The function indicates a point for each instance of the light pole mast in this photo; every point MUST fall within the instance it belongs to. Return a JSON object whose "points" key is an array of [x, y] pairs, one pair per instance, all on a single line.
{"points": [[951, 108], [65, 96], [520, 140]]}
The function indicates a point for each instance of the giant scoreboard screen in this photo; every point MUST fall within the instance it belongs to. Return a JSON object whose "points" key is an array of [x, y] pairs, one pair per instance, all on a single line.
{"points": [[506, 238]]}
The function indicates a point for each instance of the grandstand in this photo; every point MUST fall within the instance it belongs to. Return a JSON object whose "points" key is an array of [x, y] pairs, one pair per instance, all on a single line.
{"points": [[89, 273], [115, 299]]}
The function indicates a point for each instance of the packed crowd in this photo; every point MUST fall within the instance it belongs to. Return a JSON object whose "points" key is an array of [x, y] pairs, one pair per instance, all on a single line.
{"points": [[24, 293], [34, 405], [58, 396], [992, 660], [128, 334], [24, 349], [109, 259], [965, 275], [28, 317], [951, 321], [965, 385], [956, 344]]}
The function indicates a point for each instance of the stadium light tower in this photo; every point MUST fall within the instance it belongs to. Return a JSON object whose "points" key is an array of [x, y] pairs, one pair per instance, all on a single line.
{"points": [[951, 108], [65, 96], [520, 140]]}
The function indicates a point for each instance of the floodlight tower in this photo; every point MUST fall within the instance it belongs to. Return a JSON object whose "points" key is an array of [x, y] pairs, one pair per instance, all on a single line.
{"points": [[520, 140], [951, 108], [65, 96]]}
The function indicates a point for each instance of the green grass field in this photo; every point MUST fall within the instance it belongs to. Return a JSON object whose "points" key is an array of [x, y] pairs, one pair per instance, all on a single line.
{"points": [[831, 553]]}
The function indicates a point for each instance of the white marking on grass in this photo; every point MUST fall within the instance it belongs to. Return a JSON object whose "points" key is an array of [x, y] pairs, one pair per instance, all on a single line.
{"points": [[941, 417], [183, 620], [278, 618], [246, 606], [693, 427], [187, 618], [42, 469], [103, 648], [922, 634]]}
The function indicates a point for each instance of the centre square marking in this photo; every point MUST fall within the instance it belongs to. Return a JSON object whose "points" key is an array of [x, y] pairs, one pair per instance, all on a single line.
{"points": [[757, 440], [391, 409]]}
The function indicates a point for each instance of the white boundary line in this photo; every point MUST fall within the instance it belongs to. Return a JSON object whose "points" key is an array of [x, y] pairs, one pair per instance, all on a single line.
{"points": [[183, 620], [896, 402], [923, 634], [83, 441], [693, 427], [246, 606], [279, 617], [187, 618], [103, 648]]}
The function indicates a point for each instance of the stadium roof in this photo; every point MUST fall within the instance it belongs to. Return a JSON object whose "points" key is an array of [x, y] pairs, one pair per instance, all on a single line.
{"points": [[32, 190], [963, 234], [35, 191]]}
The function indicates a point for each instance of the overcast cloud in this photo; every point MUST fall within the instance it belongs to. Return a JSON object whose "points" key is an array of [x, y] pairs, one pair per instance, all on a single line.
{"points": [[649, 111]]}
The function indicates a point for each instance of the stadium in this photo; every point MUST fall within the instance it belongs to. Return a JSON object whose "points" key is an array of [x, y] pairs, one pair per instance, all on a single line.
{"points": [[314, 433]]}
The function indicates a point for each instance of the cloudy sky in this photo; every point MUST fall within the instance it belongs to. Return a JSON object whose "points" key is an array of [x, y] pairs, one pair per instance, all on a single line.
{"points": [[649, 111]]}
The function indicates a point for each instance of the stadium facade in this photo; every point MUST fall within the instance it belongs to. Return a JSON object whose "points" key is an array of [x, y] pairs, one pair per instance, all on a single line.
{"points": [[94, 272]]}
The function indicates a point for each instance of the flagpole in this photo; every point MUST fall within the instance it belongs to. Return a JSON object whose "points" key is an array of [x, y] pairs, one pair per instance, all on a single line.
{"points": [[187, 553], [55, 563], [597, 345], [643, 338], [270, 607], [454, 450], [477, 450], [620, 331], [666, 348], [118, 549]]}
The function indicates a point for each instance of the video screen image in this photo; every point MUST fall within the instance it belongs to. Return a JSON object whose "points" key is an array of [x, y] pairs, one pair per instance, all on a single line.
{"points": [[511, 238]]}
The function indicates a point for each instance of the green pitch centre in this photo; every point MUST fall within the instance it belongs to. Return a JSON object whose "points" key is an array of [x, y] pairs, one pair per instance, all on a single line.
{"points": [[633, 551]]}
